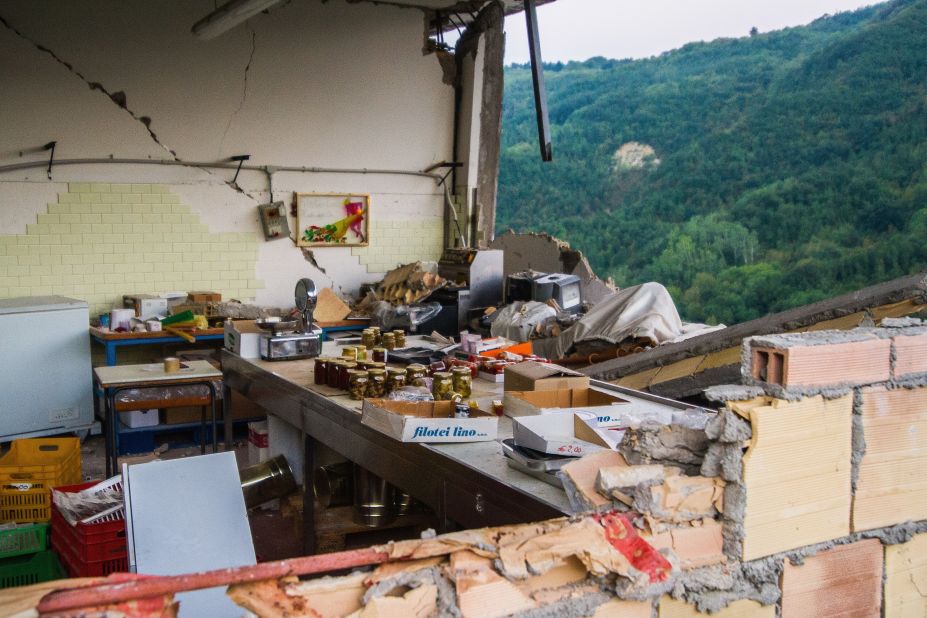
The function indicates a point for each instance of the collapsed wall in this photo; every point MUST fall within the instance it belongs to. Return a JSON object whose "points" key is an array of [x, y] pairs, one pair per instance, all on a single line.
{"points": [[801, 496]]}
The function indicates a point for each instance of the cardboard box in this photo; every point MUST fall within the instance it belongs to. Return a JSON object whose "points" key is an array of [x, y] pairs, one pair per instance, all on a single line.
{"points": [[139, 418], [243, 338], [427, 421], [563, 434], [146, 305], [535, 376], [204, 297], [603, 405]]}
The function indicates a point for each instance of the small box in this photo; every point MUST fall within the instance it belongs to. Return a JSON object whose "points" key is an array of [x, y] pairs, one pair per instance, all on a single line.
{"points": [[496, 378], [535, 376], [258, 443], [427, 421], [243, 338], [145, 305], [607, 408], [204, 297], [139, 418], [572, 435]]}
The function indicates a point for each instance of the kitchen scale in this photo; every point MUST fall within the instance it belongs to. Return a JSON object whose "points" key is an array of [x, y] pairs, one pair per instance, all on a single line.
{"points": [[283, 342]]}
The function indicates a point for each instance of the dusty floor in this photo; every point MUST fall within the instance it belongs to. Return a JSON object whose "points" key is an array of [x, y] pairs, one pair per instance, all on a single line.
{"points": [[275, 536]]}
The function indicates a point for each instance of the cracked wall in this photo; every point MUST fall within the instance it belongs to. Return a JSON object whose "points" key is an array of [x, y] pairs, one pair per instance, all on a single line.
{"points": [[332, 85]]}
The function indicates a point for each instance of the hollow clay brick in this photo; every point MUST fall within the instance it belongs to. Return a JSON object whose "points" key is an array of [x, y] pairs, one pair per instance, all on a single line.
{"points": [[857, 362], [796, 473], [906, 579], [910, 355], [745, 608], [892, 486], [845, 581]]}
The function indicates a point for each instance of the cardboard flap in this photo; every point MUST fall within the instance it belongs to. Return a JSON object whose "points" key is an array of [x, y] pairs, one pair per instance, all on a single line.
{"points": [[532, 375], [246, 326], [585, 427], [330, 308]]}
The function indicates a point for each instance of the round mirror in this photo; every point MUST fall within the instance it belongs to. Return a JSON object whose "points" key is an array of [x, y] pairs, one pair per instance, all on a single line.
{"points": [[305, 294]]}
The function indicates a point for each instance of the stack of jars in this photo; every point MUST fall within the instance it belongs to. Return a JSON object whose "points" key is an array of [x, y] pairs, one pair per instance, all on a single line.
{"points": [[390, 340]]}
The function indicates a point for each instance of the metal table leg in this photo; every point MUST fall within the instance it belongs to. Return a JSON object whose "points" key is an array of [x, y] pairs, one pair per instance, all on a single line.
{"points": [[309, 449]]}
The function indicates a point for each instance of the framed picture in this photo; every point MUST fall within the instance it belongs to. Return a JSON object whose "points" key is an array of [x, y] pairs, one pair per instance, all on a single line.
{"points": [[332, 219]]}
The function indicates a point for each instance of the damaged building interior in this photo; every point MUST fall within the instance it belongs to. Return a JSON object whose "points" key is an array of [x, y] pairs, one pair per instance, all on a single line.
{"points": [[297, 371]]}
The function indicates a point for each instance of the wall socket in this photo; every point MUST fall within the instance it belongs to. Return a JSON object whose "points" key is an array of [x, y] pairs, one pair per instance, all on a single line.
{"points": [[64, 414]]}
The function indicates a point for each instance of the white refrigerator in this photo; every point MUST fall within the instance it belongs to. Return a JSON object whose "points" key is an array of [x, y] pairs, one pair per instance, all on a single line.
{"points": [[45, 369]]}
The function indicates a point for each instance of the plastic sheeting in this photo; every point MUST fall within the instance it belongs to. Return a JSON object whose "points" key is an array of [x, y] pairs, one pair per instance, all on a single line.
{"points": [[518, 320], [646, 311]]}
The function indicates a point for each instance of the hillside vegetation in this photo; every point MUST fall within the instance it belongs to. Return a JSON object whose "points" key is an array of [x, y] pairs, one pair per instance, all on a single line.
{"points": [[788, 167]]}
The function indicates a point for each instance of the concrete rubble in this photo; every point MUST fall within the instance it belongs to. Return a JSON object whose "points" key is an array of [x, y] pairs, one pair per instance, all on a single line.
{"points": [[802, 495]]}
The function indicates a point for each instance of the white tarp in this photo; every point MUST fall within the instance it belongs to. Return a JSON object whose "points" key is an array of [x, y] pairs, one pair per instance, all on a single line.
{"points": [[645, 311]]}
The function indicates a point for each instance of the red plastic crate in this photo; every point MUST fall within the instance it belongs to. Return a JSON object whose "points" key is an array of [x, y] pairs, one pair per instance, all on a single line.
{"points": [[81, 568], [89, 549]]}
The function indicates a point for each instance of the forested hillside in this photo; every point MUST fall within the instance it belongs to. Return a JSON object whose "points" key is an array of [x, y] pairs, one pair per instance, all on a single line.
{"points": [[787, 167]]}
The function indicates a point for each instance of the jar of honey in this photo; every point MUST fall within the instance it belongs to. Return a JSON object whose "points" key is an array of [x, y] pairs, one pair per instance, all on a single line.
{"points": [[320, 370]]}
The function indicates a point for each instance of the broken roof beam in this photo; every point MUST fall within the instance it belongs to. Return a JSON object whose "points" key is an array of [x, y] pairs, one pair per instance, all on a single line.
{"points": [[686, 368]]}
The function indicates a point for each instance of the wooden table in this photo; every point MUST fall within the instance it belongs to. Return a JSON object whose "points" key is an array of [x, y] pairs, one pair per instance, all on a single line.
{"points": [[466, 483], [110, 381]]}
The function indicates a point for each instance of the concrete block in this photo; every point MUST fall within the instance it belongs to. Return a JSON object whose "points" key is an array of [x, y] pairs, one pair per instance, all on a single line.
{"points": [[672, 608], [100, 187], [110, 198], [852, 362], [906, 579], [69, 218], [141, 189], [151, 198], [79, 187], [891, 487], [90, 198], [910, 355], [101, 208], [68, 198], [796, 473], [47, 219], [36, 229], [843, 581]]}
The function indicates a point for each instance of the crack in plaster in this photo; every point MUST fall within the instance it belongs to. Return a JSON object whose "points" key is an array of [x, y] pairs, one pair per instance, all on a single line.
{"points": [[244, 92], [118, 97], [120, 100]]}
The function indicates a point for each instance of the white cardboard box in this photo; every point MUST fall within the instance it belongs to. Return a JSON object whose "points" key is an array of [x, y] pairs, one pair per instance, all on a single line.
{"points": [[140, 418], [243, 337], [563, 434], [427, 421], [607, 408]]}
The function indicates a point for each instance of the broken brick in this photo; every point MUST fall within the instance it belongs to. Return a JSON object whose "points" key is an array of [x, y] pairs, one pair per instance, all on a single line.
{"points": [[694, 546], [843, 581]]}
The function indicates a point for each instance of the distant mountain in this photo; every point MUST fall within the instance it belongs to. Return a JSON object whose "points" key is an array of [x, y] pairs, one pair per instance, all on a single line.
{"points": [[747, 175]]}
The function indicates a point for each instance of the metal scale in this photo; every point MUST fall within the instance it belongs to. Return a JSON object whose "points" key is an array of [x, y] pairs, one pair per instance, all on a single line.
{"points": [[283, 342]]}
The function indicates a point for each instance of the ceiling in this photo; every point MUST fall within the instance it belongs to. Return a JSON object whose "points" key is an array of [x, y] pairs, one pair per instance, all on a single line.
{"points": [[511, 6]]}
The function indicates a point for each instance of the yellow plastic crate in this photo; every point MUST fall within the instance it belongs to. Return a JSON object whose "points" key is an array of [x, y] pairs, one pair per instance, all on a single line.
{"points": [[28, 472]]}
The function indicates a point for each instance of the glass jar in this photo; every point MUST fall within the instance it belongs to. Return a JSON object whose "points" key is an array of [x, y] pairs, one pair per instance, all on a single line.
{"points": [[334, 371], [415, 373], [360, 352], [395, 379], [375, 365], [349, 352], [357, 383], [442, 386], [400, 336], [376, 387], [389, 341], [343, 375], [369, 337], [379, 355], [320, 370], [463, 381]]}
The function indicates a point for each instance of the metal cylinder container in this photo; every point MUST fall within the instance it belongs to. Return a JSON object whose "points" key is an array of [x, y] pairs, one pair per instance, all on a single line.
{"points": [[374, 499], [266, 481], [332, 484]]}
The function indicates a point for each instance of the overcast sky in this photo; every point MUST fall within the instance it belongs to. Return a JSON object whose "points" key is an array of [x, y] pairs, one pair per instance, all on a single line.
{"points": [[581, 29]]}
